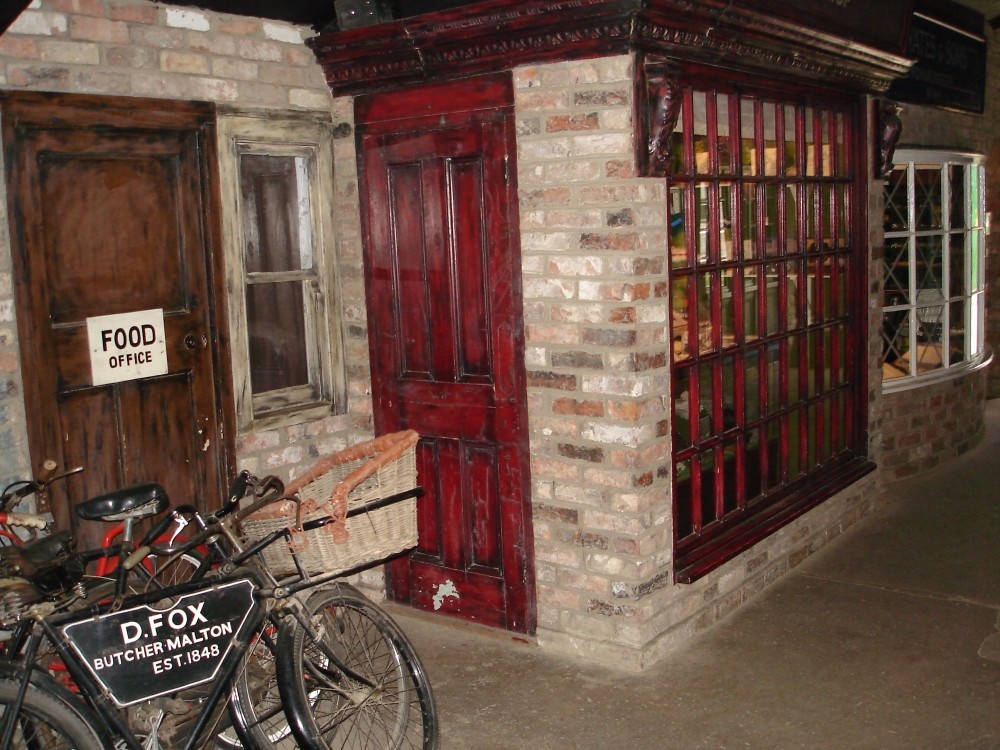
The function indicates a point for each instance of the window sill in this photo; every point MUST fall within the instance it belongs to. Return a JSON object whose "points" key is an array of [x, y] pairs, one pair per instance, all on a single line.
{"points": [[910, 382], [287, 417], [704, 556]]}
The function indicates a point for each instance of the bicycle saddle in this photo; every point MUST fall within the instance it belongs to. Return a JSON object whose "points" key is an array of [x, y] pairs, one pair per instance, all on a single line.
{"points": [[137, 501], [38, 552]]}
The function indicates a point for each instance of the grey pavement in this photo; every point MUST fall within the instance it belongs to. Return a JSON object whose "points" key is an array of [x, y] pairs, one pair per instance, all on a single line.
{"points": [[889, 638]]}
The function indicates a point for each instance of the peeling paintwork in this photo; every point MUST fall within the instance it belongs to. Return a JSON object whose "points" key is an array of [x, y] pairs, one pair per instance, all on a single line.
{"points": [[445, 589]]}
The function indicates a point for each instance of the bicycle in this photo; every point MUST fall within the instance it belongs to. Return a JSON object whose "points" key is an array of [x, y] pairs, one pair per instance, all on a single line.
{"points": [[238, 605]]}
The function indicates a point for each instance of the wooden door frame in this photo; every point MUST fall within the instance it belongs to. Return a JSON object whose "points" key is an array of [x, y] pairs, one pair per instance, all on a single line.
{"points": [[44, 108]]}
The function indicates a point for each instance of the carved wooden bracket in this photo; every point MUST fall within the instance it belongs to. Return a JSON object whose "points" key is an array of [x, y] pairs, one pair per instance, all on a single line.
{"points": [[889, 129], [657, 107]]}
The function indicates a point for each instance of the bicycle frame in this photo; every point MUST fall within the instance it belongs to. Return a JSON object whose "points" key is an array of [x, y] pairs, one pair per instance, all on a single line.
{"points": [[173, 641]]}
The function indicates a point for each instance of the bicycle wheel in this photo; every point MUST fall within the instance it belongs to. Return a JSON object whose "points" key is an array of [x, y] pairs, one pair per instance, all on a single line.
{"points": [[48, 719], [256, 702], [365, 689]]}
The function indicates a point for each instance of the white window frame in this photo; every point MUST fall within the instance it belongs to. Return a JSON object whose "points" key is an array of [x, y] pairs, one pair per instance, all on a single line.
{"points": [[976, 353], [308, 137]]}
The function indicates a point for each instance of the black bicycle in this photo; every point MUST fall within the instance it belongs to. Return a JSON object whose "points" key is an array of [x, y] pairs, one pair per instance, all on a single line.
{"points": [[148, 665]]}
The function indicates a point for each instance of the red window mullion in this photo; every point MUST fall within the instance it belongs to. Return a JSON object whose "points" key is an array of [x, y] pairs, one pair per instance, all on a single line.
{"points": [[711, 120]]}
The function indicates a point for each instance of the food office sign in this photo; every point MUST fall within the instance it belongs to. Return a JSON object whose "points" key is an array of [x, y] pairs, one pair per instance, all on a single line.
{"points": [[127, 346], [143, 652]]}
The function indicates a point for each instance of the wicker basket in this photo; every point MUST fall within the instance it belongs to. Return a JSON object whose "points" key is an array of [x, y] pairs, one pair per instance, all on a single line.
{"points": [[346, 480]]}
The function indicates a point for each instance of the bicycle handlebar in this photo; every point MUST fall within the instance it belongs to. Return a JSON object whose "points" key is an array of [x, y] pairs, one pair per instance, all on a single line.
{"points": [[15, 491]]}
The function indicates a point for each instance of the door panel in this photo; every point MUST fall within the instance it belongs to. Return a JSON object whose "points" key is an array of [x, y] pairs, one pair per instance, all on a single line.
{"points": [[111, 212], [443, 278]]}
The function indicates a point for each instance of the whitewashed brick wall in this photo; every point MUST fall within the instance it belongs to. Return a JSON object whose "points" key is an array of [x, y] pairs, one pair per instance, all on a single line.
{"points": [[141, 48], [138, 48]]}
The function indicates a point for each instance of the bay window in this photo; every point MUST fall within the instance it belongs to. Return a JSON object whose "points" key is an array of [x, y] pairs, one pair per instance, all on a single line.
{"points": [[933, 286]]}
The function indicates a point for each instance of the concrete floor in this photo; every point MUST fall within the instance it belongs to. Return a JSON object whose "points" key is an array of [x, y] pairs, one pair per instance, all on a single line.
{"points": [[887, 639]]}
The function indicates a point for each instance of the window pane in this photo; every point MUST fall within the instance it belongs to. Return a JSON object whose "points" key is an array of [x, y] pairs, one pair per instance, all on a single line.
{"points": [[927, 197], [896, 343], [276, 221], [681, 323], [751, 296], [277, 333], [773, 221], [791, 142], [751, 248], [929, 337], [725, 147], [726, 244], [896, 273], [700, 140], [748, 157], [956, 333], [678, 234], [812, 166], [771, 157], [841, 160], [930, 265], [956, 266], [730, 295], [956, 190], [897, 214], [791, 220]]}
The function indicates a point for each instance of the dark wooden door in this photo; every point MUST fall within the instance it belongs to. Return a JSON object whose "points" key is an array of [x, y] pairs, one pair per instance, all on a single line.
{"points": [[442, 267], [110, 212]]}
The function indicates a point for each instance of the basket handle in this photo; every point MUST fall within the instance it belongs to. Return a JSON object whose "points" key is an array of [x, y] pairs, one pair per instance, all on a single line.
{"points": [[401, 442], [385, 448]]}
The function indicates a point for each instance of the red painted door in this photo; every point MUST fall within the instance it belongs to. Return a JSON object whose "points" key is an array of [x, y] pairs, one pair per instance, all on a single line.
{"points": [[442, 268]]}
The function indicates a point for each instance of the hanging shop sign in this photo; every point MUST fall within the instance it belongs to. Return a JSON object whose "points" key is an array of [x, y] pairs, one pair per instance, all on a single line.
{"points": [[127, 346], [950, 71]]}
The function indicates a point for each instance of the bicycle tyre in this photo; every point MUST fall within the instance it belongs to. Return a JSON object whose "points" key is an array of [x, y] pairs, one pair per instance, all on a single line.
{"points": [[255, 709], [398, 713], [49, 718]]}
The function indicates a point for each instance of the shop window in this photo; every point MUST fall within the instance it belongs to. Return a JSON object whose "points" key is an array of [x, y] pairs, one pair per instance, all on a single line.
{"points": [[766, 292], [933, 286], [276, 178]]}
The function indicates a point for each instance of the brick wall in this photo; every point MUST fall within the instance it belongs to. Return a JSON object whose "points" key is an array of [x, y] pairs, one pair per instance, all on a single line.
{"points": [[138, 48], [592, 241], [925, 427]]}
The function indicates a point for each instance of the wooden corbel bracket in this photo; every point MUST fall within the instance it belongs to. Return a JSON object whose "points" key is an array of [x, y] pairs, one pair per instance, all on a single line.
{"points": [[889, 129], [658, 105]]}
